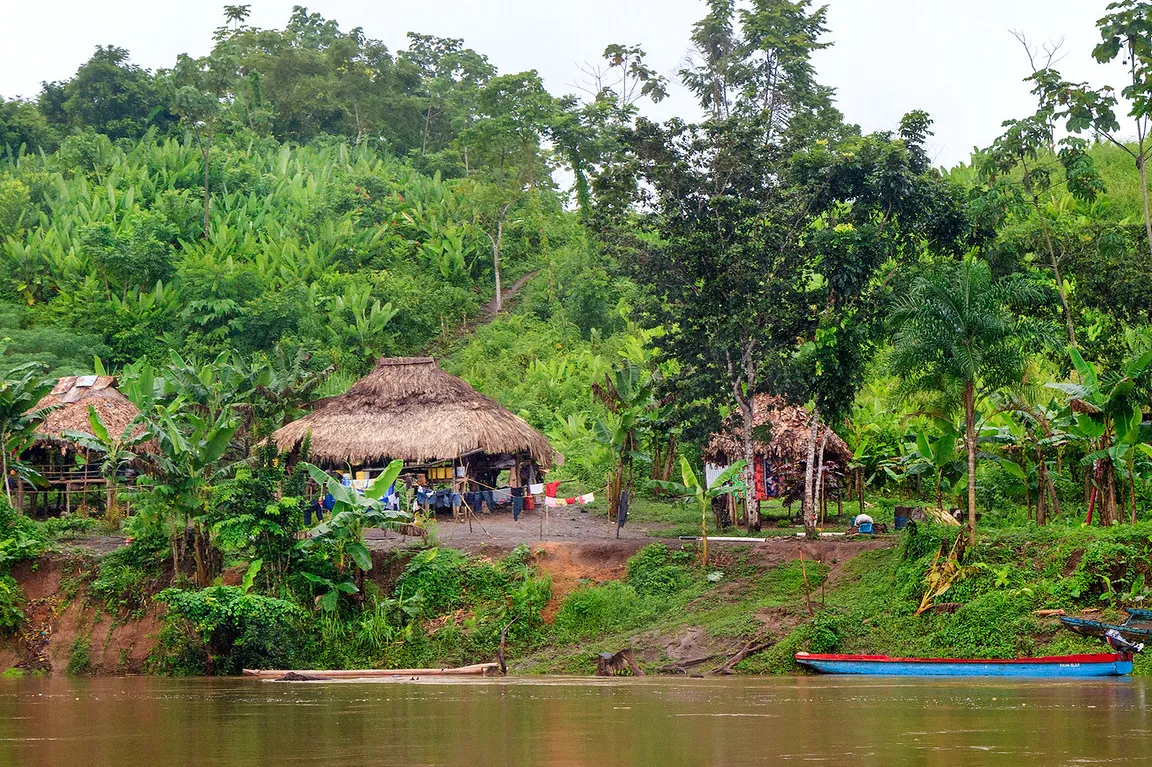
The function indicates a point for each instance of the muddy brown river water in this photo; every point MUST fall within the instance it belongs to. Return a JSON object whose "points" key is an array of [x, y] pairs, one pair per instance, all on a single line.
{"points": [[555, 721]]}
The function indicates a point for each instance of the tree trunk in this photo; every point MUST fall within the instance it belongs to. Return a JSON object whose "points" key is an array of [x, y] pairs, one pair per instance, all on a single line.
{"points": [[1140, 163], [1132, 492], [751, 504], [1111, 516], [860, 487], [4, 461], [744, 392], [820, 508], [970, 442], [1041, 489], [207, 195], [1055, 269], [809, 509]]}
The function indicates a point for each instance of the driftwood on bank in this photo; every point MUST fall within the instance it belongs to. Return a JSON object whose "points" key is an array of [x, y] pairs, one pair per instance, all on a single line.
{"points": [[681, 667], [503, 637], [751, 648], [618, 663], [478, 669]]}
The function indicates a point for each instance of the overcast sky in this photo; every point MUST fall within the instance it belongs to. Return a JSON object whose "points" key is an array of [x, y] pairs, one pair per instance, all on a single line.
{"points": [[956, 60]]}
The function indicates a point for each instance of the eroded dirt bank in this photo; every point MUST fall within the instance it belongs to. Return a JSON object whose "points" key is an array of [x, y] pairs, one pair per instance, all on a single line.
{"points": [[68, 631]]}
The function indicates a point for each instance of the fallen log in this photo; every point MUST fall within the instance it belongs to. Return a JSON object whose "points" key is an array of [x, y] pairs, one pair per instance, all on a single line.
{"points": [[478, 669], [682, 666], [749, 649]]}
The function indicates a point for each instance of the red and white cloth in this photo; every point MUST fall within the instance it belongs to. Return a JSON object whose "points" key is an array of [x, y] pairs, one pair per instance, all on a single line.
{"points": [[579, 500]]}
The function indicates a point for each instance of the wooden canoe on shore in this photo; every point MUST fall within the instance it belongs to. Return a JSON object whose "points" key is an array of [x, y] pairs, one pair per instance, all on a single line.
{"points": [[1056, 666], [477, 669]]}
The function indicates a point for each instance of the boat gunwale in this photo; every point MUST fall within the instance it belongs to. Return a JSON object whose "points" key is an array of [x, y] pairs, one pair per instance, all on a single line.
{"points": [[1045, 660]]}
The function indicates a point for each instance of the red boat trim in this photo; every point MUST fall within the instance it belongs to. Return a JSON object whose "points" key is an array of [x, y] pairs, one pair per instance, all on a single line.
{"points": [[1086, 658]]}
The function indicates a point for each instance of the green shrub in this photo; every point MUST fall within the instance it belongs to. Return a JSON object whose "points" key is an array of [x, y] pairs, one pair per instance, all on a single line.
{"points": [[11, 601], [656, 570], [598, 610], [222, 629], [69, 527], [127, 576], [80, 661], [825, 633], [20, 537]]}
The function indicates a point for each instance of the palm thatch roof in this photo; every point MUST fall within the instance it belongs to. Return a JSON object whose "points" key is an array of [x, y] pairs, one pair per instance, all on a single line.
{"points": [[73, 395], [407, 408], [789, 429]]}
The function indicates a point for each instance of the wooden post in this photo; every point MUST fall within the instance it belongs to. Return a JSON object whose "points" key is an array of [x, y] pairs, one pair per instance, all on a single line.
{"points": [[608, 500], [807, 590]]}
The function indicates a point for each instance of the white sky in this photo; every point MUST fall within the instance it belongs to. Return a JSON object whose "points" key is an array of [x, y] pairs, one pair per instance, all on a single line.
{"points": [[955, 60]]}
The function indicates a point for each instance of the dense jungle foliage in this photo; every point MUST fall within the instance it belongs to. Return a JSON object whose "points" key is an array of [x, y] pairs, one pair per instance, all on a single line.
{"points": [[245, 232]]}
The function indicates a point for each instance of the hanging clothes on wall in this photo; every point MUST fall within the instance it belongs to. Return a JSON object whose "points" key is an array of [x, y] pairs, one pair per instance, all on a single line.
{"points": [[767, 483]]}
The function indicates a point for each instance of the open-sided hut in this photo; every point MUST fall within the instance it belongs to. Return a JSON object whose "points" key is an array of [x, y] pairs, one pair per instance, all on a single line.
{"points": [[54, 456], [409, 409], [782, 459]]}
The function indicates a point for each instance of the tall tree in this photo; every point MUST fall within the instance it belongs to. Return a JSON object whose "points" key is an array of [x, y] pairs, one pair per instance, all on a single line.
{"points": [[958, 336], [200, 87], [108, 94], [1126, 32]]}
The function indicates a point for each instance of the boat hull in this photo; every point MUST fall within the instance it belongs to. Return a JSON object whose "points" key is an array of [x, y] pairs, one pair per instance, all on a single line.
{"points": [[1064, 666]]}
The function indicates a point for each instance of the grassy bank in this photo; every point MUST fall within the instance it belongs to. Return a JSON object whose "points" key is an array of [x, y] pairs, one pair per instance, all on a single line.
{"points": [[437, 606]]}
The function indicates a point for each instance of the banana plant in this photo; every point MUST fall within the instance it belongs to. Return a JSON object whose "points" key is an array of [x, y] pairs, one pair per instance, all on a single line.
{"points": [[692, 488], [190, 447], [20, 394], [1105, 415], [341, 538], [627, 394], [364, 320], [937, 455]]}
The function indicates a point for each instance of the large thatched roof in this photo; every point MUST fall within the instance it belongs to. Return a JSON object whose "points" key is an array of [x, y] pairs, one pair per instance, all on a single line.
{"points": [[73, 395], [790, 429], [407, 408]]}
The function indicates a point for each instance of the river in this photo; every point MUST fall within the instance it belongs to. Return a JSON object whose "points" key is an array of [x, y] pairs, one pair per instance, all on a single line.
{"points": [[554, 721]]}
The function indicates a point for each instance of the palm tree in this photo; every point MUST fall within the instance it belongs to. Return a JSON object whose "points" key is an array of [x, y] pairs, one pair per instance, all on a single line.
{"points": [[958, 337], [22, 390]]}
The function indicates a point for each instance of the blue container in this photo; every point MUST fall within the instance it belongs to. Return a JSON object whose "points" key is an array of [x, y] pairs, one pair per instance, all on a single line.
{"points": [[901, 522], [865, 527]]}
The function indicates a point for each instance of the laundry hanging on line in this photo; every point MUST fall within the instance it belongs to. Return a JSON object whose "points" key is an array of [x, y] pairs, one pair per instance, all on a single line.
{"points": [[579, 500]]}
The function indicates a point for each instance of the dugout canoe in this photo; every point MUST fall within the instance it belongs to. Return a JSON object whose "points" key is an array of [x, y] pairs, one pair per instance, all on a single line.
{"points": [[1055, 666], [478, 669]]}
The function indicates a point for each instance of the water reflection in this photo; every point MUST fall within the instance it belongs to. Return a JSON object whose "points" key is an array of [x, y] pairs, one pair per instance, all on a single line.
{"points": [[565, 722]]}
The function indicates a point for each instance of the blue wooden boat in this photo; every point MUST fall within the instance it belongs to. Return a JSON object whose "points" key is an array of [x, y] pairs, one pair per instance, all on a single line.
{"points": [[1056, 666], [1138, 625]]}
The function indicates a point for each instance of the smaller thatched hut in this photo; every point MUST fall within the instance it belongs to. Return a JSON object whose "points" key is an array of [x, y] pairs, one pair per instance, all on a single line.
{"points": [[782, 459], [409, 409], [54, 456]]}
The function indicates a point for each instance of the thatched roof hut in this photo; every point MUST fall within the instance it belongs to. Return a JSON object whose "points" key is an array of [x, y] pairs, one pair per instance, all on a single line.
{"points": [[73, 395], [407, 408], [790, 428]]}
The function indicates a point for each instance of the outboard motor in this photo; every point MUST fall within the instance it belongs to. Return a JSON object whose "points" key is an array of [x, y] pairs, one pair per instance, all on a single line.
{"points": [[1118, 643]]}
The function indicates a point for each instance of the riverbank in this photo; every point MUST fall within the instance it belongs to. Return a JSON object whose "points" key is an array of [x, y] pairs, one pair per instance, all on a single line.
{"points": [[559, 603]]}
